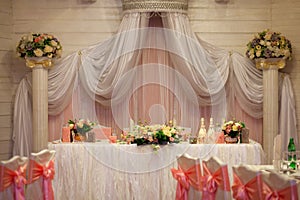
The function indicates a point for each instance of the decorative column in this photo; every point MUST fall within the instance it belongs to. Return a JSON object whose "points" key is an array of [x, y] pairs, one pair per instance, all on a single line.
{"points": [[270, 69], [40, 66]]}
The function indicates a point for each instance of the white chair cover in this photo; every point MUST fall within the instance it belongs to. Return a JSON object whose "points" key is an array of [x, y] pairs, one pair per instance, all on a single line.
{"points": [[247, 183], [12, 178], [188, 175], [279, 186], [41, 173], [216, 184]]}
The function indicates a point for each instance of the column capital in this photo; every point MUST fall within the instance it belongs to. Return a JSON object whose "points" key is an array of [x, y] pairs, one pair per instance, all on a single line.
{"points": [[33, 62], [270, 63]]}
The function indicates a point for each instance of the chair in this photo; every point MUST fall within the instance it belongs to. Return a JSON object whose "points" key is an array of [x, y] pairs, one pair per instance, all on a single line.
{"points": [[215, 179], [278, 186], [12, 178], [40, 176], [247, 183], [188, 177]]}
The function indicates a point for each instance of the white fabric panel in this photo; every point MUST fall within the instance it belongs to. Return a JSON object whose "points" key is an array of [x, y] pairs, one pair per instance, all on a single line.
{"points": [[287, 120]]}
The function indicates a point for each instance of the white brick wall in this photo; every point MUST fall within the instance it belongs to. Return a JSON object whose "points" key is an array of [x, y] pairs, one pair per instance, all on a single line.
{"points": [[5, 79]]}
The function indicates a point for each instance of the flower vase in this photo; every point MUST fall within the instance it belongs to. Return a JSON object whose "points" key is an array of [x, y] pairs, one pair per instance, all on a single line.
{"points": [[90, 136], [79, 137], [231, 140]]}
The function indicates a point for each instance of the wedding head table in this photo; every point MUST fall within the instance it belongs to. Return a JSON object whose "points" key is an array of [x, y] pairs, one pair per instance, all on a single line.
{"points": [[112, 171]]}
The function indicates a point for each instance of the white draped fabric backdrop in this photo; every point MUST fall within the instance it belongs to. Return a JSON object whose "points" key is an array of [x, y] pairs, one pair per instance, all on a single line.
{"points": [[154, 69]]}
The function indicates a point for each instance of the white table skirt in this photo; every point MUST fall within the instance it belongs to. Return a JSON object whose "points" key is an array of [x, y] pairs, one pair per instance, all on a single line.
{"points": [[106, 171]]}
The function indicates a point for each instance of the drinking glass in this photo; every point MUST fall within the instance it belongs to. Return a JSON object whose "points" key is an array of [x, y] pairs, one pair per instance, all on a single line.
{"points": [[290, 161]]}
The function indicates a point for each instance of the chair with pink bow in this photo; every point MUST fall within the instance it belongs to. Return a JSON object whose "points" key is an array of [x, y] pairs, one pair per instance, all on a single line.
{"points": [[247, 183], [188, 177], [215, 180], [278, 186], [40, 176], [13, 178]]}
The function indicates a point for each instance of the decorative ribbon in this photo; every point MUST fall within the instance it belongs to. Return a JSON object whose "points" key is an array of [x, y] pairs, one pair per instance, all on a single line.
{"points": [[46, 63], [212, 181], [247, 191], [185, 179], [289, 192], [45, 171], [17, 178]]}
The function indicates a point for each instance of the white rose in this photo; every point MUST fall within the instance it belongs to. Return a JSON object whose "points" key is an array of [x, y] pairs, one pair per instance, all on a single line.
{"points": [[258, 53], [38, 52], [53, 43], [48, 49], [261, 42]]}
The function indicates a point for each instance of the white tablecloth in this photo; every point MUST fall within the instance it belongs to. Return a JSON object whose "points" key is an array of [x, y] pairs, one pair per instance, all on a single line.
{"points": [[112, 171]]}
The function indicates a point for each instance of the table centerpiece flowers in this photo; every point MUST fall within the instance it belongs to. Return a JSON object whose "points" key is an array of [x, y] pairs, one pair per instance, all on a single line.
{"points": [[269, 44], [157, 134], [232, 130], [39, 45], [80, 127]]}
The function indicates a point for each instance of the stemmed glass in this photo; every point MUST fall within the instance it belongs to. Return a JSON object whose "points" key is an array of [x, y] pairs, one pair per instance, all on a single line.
{"points": [[290, 161]]}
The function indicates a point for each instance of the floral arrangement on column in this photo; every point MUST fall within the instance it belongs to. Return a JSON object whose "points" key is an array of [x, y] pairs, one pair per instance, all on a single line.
{"points": [[269, 44], [39, 45]]}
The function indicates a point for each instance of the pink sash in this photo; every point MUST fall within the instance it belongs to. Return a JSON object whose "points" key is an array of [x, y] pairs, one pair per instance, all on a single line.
{"points": [[47, 172], [212, 181], [289, 192], [17, 178], [185, 179], [246, 191]]}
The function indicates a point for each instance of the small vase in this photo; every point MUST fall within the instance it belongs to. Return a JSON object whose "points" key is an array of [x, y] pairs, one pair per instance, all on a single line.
{"points": [[79, 137], [231, 140]]}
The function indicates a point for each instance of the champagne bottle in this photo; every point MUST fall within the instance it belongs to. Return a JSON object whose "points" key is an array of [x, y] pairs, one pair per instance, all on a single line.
{"points": [[202, 132], [211, 132], [292, 155]]}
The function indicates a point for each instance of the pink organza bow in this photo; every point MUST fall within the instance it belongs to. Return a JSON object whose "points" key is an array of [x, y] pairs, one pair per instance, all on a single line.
{"points": [[16, 177], [45, 171], [289, 192], [247, 191], [185, 179], [212, 181]]}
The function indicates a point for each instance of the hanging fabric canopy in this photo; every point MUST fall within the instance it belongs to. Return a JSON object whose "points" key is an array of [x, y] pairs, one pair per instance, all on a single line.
{"points": [[154, 69]]}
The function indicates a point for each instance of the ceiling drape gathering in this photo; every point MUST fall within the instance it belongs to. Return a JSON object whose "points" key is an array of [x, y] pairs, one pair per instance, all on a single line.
{"points": [[153, 69]]}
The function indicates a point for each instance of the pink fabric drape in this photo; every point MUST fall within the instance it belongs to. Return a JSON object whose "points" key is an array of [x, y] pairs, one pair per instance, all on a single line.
{"points": [[47, 172], [185, 179], [15, 178]]}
